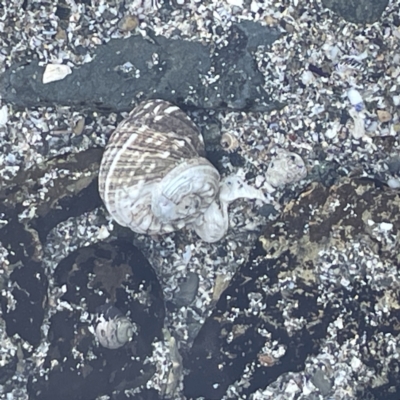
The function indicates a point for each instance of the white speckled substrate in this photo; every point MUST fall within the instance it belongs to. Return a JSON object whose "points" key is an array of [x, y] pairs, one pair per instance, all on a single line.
{"points": [[318, 117]]}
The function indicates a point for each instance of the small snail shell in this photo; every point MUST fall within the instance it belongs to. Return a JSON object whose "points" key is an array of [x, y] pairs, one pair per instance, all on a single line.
{"points": [[229, 142], [112, 328], [153, 176], [285, 168]]}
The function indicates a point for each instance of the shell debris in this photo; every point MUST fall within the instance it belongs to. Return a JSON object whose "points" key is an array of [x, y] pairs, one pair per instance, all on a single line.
{"points": [[315, 37], [384, 116], [355, 99], [3, 115]]}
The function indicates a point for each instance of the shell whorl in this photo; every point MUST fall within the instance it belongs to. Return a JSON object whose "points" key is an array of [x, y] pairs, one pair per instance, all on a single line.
{"points": [[186, 191], [112, 328], [153, 176]]}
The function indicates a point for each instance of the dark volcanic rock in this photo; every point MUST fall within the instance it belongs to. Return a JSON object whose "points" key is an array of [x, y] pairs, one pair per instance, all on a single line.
{"points": [[357, 11], [260, 307], [23, 311], [115, 273], [29, 292], [123, 73]]}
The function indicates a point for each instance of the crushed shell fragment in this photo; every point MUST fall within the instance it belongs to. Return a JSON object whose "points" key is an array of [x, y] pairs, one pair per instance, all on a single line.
{"points": [[285, 168], [55, 72]]}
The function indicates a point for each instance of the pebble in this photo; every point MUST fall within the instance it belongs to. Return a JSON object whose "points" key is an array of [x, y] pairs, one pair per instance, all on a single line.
{"points": [[355, 99], [128, 23], [307, 77], [3, 115], [79, 126], [321, 381], [384, 116], [55, 72], [187, 290]]}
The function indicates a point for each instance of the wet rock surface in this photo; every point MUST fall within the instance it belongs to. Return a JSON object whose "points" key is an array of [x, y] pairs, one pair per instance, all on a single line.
{"points": [[107, 273], [304, 259], [311, 313], [308, 288], [359, 12], [127, 71]]}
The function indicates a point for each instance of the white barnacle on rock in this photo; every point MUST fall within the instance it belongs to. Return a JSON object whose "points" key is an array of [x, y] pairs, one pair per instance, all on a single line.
{"points": [[112, 328], [285, 168], [154, 177]]}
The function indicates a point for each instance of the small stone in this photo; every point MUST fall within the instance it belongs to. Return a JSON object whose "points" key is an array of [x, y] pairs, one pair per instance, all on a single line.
{"points": [[63, 12], [267, 209], [393, 183], [61, 35], [384, 116], [79, 125], [333, 130], [128, 23], [187, 290], [55, 72], [386, 226], [237, 3], [322, 382], [356, 363], [3, 115], [307, 77], [289, 28], [394, 165], [103, 233], [270, 21]]}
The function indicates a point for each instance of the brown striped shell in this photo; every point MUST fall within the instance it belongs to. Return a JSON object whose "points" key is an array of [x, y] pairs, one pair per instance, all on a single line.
{"points": [[153, 176]]}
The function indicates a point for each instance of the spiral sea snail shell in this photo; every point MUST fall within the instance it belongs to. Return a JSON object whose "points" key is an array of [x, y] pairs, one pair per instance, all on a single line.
{"points": [[229, 142], [154, 177], [112, 328]]}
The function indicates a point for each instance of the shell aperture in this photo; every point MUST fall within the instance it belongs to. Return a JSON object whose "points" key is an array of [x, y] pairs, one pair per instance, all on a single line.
{"points": [[214, 223]]}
